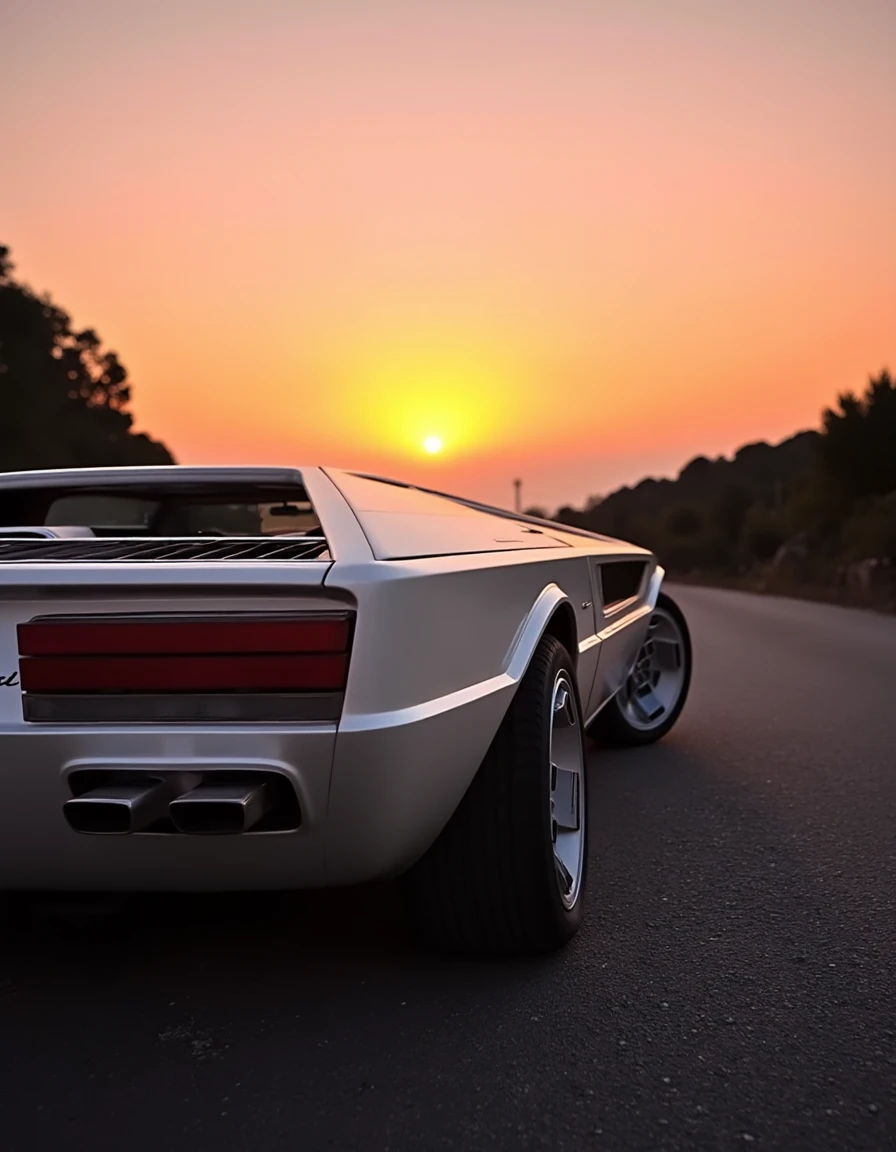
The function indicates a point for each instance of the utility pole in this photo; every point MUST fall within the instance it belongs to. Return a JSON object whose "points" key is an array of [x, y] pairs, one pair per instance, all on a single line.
{"points": [[517, 484]]}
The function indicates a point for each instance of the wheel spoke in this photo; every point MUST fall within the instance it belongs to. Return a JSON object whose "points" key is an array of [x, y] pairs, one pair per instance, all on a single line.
{"points": [[666, 655], [567, 816], [566, 800], [564, 876], [648, 706], [564, 716]]}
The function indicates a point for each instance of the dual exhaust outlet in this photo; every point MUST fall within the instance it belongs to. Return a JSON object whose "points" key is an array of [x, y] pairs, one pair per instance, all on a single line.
{"points": [[194, 808]]}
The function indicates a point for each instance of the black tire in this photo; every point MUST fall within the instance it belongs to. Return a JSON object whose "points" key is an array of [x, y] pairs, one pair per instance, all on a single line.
{"points": [[611, 727], [489, 883]]}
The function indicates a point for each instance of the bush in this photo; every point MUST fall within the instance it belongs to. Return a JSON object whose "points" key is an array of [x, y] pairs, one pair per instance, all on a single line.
{"points": [[763, 534], [871, 530], [685, 522]]}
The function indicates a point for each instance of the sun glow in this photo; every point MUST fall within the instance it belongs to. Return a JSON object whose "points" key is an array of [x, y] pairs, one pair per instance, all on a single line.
{"points": [[413, 391]]}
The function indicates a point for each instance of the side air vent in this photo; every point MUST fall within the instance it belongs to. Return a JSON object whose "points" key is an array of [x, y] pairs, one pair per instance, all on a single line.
{"points": [[620, 580], [102, 551]]}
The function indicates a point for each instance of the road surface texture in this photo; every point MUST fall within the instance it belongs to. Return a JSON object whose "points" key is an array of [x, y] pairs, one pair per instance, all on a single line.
{"points": [[734, 985]]}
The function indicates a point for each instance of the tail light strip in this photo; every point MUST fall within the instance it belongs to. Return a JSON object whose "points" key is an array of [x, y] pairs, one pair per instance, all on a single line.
{"points": [[258, 667], [277, 673], [167, 637]]}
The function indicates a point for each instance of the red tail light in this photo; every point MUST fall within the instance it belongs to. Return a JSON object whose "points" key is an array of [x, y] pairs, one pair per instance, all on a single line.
{"points": [[168, 637], [107, 661], [184, 673]]}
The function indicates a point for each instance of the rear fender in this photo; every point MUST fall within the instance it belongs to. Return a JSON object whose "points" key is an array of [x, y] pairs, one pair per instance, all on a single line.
{"points": [[398, 778], [552, 612]]}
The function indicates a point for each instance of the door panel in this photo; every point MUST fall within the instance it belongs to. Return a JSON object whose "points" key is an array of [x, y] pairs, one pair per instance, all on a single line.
{"points": [[620, 620]]}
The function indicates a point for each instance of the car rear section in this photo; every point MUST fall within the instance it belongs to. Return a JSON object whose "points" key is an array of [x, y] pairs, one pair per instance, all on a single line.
{"points": [[148, 705], [201, 688]]}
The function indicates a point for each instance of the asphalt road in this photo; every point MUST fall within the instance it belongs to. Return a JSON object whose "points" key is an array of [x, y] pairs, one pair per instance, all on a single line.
{"points": [[734, 986]]}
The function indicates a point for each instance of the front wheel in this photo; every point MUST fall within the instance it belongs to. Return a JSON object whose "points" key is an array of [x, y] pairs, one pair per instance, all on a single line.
{"points": [[508, 872], [651, 699]]}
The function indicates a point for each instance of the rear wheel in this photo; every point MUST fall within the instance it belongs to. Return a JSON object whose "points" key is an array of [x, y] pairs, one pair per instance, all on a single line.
{"points": [[651, 700], [508, 873]]}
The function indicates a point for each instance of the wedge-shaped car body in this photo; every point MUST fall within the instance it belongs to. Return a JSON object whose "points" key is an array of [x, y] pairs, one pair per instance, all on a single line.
{"points": [[268, 678]]}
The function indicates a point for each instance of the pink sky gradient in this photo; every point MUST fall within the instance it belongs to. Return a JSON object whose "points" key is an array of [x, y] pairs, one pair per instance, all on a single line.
{"points": [[582, 242]]}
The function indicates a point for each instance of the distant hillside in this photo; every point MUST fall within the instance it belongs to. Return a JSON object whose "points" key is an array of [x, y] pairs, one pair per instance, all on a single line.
{"points": [[698, 516], [811, 506]]}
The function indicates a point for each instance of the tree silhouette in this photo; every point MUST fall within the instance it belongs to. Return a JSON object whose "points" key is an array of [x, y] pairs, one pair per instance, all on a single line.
{"points": [[858, 448], [686, 522], [833, 490], [730, 512], [63, 398]]}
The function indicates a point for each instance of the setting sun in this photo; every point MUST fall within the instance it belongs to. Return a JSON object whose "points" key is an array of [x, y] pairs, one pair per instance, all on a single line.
{"points": [[526, 266]]}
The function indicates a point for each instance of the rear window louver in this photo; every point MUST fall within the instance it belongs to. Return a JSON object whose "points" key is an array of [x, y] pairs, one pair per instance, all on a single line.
{"points": [[162, 551]]}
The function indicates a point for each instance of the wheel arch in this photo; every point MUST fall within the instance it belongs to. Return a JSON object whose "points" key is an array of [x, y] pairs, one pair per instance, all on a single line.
{"points": [[562, 626], [552, 614]]}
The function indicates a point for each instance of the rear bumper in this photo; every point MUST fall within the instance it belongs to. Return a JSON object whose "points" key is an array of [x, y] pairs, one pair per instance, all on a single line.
{"points": [[38, 849], [373, 796]]}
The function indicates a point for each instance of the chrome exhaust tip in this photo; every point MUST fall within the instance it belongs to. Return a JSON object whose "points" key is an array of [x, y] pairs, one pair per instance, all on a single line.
{"points": [[220, 809], [121, 809]]}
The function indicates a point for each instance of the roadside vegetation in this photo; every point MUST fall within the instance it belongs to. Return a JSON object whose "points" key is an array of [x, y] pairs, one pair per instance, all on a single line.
{"points": [[813, 516]]}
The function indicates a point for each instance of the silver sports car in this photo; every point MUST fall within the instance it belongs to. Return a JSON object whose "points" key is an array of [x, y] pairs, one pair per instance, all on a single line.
{"points": [[272, 678]]}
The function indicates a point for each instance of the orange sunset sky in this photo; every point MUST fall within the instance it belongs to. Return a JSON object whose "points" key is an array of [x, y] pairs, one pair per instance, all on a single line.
{"points": [[580, 242]]}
